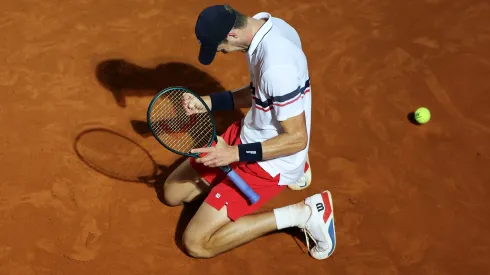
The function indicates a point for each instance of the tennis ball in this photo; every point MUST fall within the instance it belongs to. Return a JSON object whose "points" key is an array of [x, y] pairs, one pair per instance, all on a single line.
{"points": [[422, 115]]}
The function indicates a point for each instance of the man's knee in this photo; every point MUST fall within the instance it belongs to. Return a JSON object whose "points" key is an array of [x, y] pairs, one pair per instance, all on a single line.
{"points": [[196, 246], [182, 185], [170, 197], [199, 238], [175, 194]]}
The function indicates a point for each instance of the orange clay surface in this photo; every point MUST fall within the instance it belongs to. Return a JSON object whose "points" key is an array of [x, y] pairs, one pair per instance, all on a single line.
{"points": [[78, 194]]}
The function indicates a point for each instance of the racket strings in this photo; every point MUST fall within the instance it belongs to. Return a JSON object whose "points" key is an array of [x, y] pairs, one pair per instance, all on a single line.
{"points": [[175, 125], [202, 141], [176, 129]]}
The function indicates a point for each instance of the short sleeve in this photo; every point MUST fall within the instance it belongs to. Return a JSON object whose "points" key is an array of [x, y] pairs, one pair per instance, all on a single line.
{"points": [[281, 84]]}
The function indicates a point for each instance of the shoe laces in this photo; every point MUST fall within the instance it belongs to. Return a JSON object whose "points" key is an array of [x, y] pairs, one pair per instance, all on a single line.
{"points": [[307, 237]]}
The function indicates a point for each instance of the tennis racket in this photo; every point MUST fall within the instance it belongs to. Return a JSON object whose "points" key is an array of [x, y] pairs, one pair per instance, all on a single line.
{"points": [[180, 133]]}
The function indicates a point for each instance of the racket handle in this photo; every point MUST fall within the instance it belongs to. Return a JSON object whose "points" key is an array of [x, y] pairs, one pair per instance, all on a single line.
{"points": [[243, 186]]}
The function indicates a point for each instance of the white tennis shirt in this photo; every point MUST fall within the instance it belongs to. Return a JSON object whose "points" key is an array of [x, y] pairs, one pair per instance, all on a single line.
{"points": [[280, 87]]}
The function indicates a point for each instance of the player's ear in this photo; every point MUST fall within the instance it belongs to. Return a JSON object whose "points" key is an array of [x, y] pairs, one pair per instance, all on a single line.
{"points": [[232, 34]]}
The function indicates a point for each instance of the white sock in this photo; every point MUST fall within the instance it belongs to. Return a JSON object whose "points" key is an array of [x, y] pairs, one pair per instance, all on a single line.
{"points": [[291, 215]]}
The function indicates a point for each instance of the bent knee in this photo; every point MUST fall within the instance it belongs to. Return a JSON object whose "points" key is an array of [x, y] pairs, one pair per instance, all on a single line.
{"points": [[175, 194], [170, 200], [171, 195], [196, 247]]}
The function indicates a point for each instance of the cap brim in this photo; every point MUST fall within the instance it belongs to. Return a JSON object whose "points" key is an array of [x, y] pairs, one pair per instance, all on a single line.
{"points": [[207, 54]]}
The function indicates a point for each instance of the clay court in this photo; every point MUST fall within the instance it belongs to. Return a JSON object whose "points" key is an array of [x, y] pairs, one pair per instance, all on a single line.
{"points": [[80, 172]]}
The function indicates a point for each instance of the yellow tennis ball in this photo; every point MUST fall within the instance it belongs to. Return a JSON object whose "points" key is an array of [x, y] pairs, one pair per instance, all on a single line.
{"points": [[422, 115]]}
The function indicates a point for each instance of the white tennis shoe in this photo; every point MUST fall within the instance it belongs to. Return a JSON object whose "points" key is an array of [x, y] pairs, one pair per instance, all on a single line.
{"points": [[304, 181], [320, 226]]}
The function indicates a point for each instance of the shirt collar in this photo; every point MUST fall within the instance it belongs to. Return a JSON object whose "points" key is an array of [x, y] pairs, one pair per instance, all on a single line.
{"points": [[261, 32]]}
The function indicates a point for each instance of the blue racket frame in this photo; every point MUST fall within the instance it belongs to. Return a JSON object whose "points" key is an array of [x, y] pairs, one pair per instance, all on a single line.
{"points": [[237, 180]]}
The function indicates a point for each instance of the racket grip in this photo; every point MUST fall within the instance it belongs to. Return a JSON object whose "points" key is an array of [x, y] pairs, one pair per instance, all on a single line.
{"points": [[243, 186]]}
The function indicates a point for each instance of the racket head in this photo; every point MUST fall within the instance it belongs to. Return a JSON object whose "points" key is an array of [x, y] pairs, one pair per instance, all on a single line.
{"points": [[157, 116]]}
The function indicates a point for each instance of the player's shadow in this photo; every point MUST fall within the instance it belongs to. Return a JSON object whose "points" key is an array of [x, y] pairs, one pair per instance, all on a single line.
{"points": [[124, 79]]}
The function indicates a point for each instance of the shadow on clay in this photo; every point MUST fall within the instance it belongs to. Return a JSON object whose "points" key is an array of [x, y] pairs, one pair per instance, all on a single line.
{"points": [[411, 118], [124, 79], [117, 156]]}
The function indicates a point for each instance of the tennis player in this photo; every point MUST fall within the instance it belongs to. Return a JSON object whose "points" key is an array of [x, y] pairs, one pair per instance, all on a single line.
{"points": [[268, 148]]}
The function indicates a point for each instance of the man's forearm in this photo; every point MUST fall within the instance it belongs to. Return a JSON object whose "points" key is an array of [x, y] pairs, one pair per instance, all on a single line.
{"points": [[293, 139], [241, 97], [283, 145]]}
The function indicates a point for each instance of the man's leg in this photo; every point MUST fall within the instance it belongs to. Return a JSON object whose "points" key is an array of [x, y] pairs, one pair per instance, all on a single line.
{"points": [[184, 185], [224, 222], [211, 232]]}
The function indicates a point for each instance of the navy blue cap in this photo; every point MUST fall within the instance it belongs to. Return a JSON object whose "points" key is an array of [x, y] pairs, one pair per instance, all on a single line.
{"points": [[212, 26]]}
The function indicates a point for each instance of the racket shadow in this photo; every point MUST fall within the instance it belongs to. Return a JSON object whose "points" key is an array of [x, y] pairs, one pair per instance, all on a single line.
{"points": [[124, 79], [119, 157]]}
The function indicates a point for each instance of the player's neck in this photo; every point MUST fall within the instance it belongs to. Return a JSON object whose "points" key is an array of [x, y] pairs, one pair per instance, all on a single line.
{"points": [[254, 26]]}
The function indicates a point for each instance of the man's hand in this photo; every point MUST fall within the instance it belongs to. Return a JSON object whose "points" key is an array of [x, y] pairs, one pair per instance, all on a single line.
{"points": [[220, 155], [192, 105]]}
